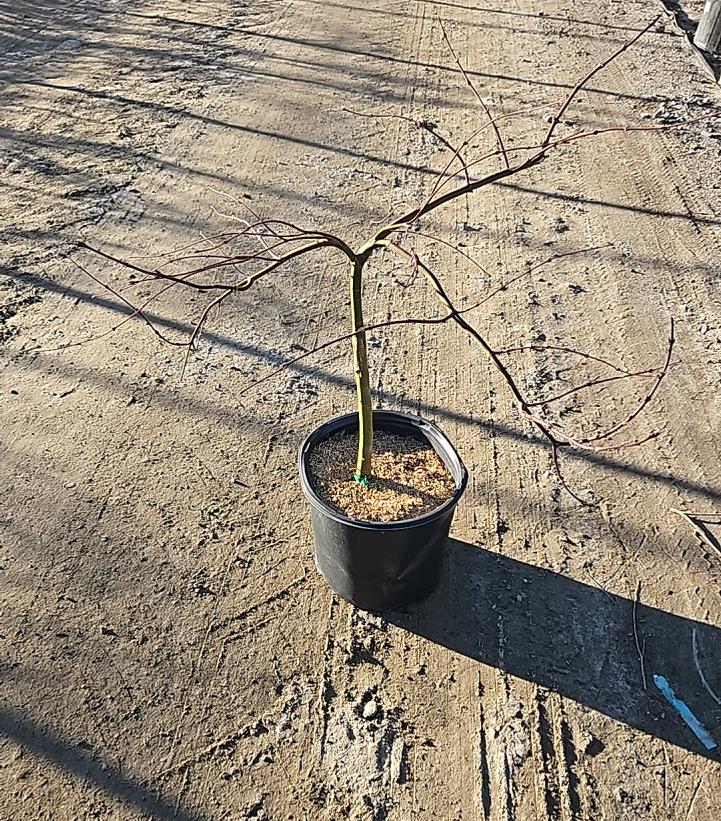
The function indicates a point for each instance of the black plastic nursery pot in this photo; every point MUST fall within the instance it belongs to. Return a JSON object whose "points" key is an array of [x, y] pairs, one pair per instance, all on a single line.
{"points": [[382, 565]]}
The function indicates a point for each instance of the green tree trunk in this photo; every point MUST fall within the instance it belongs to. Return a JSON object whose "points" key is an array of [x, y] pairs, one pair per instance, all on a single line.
{"points": [[362, 378]]}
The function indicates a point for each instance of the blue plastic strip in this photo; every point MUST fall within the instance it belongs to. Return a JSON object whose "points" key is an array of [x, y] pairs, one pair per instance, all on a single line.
{"points": [[685, 713]]}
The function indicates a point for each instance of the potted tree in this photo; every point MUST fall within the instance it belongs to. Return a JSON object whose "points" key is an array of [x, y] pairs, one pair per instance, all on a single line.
{"points": [[383, 486]]}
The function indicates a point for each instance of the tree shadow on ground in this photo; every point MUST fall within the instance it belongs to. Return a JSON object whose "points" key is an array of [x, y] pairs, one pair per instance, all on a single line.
{"points": [[78, 761], [573, 639]]}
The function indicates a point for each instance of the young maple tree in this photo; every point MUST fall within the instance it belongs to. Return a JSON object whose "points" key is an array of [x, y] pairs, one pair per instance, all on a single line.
{"points": [[214, 266]]}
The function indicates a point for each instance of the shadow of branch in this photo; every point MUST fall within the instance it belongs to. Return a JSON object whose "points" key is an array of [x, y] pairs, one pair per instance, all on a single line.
{"points": [[75, 761]]}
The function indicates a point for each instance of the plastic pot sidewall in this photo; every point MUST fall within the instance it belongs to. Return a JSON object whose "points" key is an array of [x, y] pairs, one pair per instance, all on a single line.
{"points": [[382, 565]]}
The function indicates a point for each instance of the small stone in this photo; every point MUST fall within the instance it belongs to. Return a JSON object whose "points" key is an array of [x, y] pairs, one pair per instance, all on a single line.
{"points": [[258, 729], [70, 485], [370, 710], [226, 776]]}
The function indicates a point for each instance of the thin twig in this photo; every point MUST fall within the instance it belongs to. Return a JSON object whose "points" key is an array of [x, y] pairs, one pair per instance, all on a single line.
{"points": [[592, 384], [423, 125], [184, 278], [453, 247], [589, 442], [577, 88], [700, 529], [555, 455], [136, 311], [474, 91], [598, 586], [540, 347], [694, 647], [199, 327], [711, 514], [639, 649]]}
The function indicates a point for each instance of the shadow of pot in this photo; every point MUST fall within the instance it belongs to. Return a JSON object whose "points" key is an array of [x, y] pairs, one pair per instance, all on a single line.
{"points": [[382, 565]]}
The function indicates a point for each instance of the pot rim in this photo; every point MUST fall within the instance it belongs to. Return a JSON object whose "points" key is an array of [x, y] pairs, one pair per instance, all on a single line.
{"points": [[437, 440]]}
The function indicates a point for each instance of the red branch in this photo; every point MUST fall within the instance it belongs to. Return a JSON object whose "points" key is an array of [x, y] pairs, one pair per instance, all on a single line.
{"points": [[474, 91], [281, 241]]}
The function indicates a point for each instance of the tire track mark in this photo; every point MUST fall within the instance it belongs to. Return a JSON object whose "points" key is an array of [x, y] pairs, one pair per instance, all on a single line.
{"points": [[567, 758], [551, 787], [484, 793], [326, 692]]}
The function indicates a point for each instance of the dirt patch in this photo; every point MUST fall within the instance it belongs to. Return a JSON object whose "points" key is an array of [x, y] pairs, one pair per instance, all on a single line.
{"points": [[409, 478]]}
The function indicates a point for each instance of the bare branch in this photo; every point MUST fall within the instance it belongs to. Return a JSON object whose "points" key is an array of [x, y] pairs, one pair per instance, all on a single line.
{"points": [[474, 90], [592, 383], [563, 349], [453, 247], [136, 311], [697, 663], [185, 277], [646, 400], [639, 649], [199, 326], [581, 83], [555, 456], [540, 153], [423, 125]]}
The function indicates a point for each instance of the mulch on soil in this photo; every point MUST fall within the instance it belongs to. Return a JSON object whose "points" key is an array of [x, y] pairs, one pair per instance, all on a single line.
{"points": [[409, 478]]}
